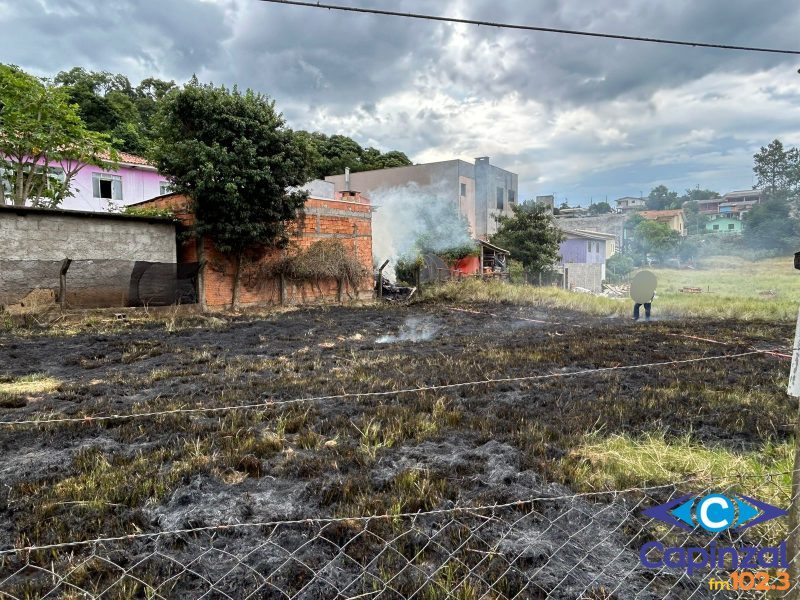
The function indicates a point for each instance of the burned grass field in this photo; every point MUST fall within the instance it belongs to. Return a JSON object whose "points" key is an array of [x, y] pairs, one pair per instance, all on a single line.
{"points": [[265, 423]]}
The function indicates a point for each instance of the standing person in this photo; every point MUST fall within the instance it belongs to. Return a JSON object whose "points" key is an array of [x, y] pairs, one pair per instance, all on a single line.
{"points": [[643, 290]]}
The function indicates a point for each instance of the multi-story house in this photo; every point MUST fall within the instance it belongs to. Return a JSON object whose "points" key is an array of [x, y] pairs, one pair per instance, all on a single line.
{"points": [[99, 189], [480, 191]]}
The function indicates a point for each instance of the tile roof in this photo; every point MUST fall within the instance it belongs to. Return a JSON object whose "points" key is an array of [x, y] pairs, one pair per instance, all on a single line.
{"points": [[654, 214], [131, 159]]}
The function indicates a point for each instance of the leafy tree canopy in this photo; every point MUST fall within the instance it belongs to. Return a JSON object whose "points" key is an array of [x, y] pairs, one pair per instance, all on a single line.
{"points": [[109, 103], [332, 154], [44, 142], [662, 198], [769, 226], [777, 170], [600, 208], [530, 235], [233, 155], [654, 238]]}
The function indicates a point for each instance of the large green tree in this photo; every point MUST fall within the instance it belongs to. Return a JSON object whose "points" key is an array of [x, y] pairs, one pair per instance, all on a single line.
{"points": [[777, 170], [769, 226], [656, 239], [531, 236], [332, 154], [694, 220], [44, 143], [600, 208], [662, 198], [233, 155], [110, 104]]}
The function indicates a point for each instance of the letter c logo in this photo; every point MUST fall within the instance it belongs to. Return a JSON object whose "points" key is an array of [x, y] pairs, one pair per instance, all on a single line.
{"points": [[715, 513]]}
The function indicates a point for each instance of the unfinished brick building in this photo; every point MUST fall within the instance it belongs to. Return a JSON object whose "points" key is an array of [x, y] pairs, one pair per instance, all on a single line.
{"points": [[345, 216]]}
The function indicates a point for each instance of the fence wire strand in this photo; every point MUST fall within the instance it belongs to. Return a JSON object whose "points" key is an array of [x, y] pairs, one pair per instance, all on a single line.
{"points": [[385, 393]]}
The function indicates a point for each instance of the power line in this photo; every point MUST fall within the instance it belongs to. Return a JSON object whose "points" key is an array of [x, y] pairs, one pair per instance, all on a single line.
{"points": [[613, 36]]}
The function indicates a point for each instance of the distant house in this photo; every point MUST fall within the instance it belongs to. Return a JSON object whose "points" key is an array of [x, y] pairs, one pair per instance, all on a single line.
{"points": [[99, 189], [583, 259], [709, 206], [481, 192], [673, 218], [753, 196], [610, 238], [724, 223], [629, 203], [612, 224]]}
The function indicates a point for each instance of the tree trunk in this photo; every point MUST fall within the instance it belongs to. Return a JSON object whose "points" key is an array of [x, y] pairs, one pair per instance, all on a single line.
{"points": [[237, 279], [201, 273], [19, 193]]}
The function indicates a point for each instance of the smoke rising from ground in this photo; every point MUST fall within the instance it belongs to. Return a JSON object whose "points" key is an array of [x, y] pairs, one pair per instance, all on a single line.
{"points": [[414, 329], [413, 218]]}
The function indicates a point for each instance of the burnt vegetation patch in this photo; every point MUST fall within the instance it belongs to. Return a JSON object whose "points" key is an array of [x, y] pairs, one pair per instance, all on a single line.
{"points": [[341, 450]]}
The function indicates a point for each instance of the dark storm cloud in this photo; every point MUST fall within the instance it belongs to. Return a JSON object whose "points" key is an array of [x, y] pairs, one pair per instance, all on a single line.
{"points": [[567, 113], [339, 59], [171, 37], [579, 69]]}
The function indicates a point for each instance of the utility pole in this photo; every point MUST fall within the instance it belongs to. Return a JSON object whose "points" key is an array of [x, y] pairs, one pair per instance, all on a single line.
{"points": [[793, 543]]}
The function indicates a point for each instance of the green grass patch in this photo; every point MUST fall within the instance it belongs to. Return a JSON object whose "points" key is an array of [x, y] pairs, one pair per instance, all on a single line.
{"points": [[621, 461], [731, 289]]}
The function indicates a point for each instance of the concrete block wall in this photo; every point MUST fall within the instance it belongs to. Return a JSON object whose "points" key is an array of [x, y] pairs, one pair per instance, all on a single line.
{"points": [[104, 250], [588, 276], [55, 235]]}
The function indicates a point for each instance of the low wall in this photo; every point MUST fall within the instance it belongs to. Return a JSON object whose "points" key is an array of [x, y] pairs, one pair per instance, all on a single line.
{"points": [[96, 283], [110, 253]]}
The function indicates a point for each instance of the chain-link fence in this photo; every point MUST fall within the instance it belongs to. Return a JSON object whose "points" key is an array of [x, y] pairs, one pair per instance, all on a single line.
{"points": [[592, 546], [39, 284]]}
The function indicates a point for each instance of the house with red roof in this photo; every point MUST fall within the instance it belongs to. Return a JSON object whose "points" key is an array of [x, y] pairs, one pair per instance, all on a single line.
{"points": [[133, 181]]}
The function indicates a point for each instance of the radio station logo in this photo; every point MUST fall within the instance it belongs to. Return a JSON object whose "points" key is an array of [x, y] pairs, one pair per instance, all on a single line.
{"points": [[715, 512]]}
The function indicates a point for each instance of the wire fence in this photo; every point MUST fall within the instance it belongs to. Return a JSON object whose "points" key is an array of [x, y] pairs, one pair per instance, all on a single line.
{"points": [[99, 418], [556, 546]]}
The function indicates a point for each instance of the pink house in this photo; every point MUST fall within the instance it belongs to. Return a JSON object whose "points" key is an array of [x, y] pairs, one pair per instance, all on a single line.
{"points": [[135, 180]]}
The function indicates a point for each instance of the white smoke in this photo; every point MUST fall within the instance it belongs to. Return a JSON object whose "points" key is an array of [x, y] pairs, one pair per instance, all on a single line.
{"points": [[413, 330], [410, 214]]}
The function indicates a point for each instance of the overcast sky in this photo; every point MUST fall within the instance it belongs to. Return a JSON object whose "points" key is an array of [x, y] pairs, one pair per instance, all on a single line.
{"points": [[579, 117]]}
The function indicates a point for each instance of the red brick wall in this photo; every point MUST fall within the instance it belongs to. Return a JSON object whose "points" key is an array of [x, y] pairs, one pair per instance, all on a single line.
{"points": [[348, 218]]}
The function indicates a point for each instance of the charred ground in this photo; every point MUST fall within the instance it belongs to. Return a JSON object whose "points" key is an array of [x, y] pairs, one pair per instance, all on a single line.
{"points": [[415, 451]]}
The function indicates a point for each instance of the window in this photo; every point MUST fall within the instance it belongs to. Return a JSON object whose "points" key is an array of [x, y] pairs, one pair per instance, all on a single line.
{"points": [[463, 190], [731, 226], [164, 188], [512, 196], [716, 227], [108, 187], [501, 199]]}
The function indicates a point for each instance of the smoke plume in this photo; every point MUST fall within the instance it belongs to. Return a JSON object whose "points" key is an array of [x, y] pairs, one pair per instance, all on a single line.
{"points": [[411, 218]]}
